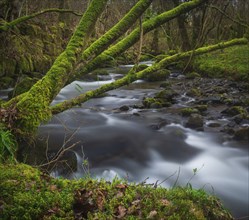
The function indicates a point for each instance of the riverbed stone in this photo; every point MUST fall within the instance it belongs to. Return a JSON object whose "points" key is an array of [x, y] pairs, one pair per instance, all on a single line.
{"points": [[195, 121], [242, 134]]}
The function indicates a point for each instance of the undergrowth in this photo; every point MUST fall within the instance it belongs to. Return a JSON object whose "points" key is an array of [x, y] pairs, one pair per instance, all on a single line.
{"points": [[229, 63], [27, 193]]}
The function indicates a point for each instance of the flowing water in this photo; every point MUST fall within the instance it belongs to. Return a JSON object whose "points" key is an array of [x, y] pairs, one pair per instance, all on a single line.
{"points": [[141, 143]]}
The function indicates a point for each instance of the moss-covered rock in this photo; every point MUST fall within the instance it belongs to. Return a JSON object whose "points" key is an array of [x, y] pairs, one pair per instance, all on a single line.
{"points": [[188, 111], [27, 193], [192, 75], [236, 110], [242, 134], [160, 75]]}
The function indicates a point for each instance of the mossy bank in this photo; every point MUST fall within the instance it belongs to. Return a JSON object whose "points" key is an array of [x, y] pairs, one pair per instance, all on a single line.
{"points": [[229, 63], [27, 193]]}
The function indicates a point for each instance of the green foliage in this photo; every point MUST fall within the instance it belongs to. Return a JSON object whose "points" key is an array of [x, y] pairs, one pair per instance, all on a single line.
{"points": [[8, 145], [26, 193], [229, 63]]}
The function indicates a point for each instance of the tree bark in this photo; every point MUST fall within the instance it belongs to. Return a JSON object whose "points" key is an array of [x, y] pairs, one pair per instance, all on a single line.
{"points": [[117, 31], [4, 25], [132, 75], [33, 107], [134, 36]]}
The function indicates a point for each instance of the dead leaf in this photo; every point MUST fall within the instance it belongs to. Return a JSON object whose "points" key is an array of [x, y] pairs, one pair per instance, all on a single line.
{"points": [[165, 202], [121, 186], [53, 187], [121, 211], [152, 214], [100, 202], [119, 194], [136, 202]]}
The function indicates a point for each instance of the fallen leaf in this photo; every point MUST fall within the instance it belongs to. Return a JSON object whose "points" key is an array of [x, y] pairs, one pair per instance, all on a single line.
{"points": [[121, 211], [152, 214], [121, 186], [136, 202], [53, 187], [165, 202]]}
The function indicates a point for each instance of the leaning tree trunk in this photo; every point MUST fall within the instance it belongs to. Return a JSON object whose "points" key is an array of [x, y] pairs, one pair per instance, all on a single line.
{"points": [[33, 107], [140, 74], [134, 36]]}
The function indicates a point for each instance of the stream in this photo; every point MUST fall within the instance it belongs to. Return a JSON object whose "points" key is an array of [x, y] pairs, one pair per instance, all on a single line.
{"points": [[115, 137]]}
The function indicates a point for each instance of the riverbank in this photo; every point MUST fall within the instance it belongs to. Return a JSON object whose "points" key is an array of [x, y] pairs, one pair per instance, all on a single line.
{"points": [[27, 193]]}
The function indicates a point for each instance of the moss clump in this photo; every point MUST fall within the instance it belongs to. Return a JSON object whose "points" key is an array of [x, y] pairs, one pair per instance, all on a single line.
{"points": [[152, 103], [192, 75], [189, 111], [236, 110], [231, 62], [27, 193], [194, 92]]}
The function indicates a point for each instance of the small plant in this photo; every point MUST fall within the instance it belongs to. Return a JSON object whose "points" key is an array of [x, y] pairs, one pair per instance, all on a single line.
{"points": [[8, 145]]}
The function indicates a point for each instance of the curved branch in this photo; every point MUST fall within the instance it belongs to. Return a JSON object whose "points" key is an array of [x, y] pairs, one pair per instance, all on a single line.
{"points": [[4, 25], [132, 76], [227, 16], [134, 36]]}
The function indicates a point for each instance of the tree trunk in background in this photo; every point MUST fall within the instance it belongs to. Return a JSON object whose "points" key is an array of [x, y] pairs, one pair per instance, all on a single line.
{"points": [[134, 36], [182, 29]]}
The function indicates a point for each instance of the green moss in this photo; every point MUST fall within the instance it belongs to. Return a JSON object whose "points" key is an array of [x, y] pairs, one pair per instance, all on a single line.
{"points": [[192, 75], [27, 193], [189, 111], [230, 62], [194, 92]]}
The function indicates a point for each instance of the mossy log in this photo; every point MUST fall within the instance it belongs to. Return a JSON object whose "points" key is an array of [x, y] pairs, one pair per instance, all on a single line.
{"points": [[132, 75], [4, 25], [134, 36], [116, 31], [33, 107]]}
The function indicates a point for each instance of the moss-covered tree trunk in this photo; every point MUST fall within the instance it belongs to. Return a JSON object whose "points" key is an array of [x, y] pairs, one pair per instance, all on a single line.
{"points": [[134, 36], [136, 74], [33, 107]]}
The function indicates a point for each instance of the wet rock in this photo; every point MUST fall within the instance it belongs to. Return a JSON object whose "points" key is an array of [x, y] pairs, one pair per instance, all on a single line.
{"points": [[214, 125], [188, 111], [194, 92], [124, 108], [192, 75], [242, 134], [210, 100], [166, 95], [235, 110], [195, 121], [159, 125]]}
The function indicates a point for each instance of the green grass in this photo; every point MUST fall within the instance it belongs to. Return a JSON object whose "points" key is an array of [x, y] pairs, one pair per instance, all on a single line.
{"points": [[27, 193], [231, 63]]}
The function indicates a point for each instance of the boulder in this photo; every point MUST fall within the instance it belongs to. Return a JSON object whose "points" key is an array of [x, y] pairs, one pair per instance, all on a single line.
{"points": [[195, 121]]}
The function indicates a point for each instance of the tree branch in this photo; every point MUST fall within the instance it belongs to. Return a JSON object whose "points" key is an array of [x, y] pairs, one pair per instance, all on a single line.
{"points": [[134, 36], [227, 16], [4, 25], [132, 75]]}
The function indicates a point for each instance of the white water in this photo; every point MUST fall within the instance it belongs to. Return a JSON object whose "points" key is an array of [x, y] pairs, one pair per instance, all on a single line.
{"points": [[123, 145]]}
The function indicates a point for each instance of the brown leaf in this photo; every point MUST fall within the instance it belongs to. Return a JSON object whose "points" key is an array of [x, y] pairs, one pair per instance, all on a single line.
{"points": [[119, 194], [121, 211], [136, 202], [152, 214], [121, 186], [165, 202], [100, 202], [53, 187]]}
